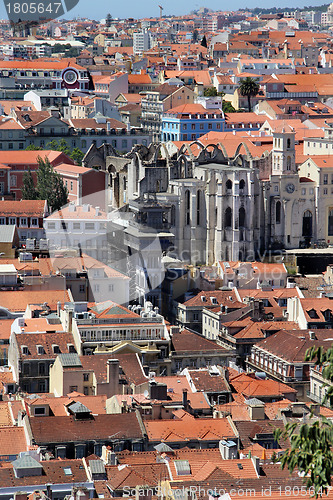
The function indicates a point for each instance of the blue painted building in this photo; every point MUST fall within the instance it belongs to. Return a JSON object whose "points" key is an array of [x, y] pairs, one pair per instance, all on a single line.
{"points": [[190, 121]]}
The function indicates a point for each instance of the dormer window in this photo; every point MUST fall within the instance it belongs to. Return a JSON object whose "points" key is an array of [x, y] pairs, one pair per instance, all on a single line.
{"points": [[56, 349], [25, 350], [40, 349], [39, 410], [71, 348], [313, 314], [327, 314]]}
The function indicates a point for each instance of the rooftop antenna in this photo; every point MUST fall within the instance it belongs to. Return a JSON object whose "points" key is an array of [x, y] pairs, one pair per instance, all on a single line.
{"points": [[161, 10]]}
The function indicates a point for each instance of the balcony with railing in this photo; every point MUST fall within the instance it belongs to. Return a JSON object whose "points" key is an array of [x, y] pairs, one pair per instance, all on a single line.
{"points": [[314, 397]]}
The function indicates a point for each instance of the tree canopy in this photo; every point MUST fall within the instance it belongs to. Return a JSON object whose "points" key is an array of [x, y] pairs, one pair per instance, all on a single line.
{"points": [[195, 36], [204, 41], [28, 189], [49, 186], [67, 49], [249, 87], [310, 449], [108, 20], [211, 92], [32, 147], [227, 107], [75, 154]]}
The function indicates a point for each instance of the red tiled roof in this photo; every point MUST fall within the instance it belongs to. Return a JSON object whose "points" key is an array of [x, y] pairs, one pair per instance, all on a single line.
{"points": [[97, 404], [129, 362], [189, 428], [18, 300], [191, 341], [12, 441], [131, 476], [292, 346], [204, 381], [228, 298], [251, 387], [31, 157], [29, 208], [41, 64], [102, 427], [140, 79], [47, 340]]}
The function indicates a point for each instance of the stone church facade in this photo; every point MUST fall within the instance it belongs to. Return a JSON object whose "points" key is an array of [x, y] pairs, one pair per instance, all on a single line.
{"points": [[220, 207]]}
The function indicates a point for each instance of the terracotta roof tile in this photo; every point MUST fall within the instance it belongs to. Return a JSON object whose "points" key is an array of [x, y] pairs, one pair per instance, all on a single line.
{"points": [[131, 476], [292, 346], [248, 430], [251, 387], [66, 429], [228, 298], [46, 340], [31, 157], [29, 208], [205, 382], [12, 441], [192, 342], [18, 300], [57, 405], [187, 429]]}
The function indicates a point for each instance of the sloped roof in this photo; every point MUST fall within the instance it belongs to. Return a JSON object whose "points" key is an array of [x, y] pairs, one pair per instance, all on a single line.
{"points": [[77, 407], [69, 359], [188, 428], [18, 300], [7, 233], [251, 387], [191, 341], [26, 462], [102, 427], [23, 207]]}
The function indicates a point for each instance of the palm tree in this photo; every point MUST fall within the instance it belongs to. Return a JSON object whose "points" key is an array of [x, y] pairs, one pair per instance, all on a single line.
{"points": [[249, 88]]}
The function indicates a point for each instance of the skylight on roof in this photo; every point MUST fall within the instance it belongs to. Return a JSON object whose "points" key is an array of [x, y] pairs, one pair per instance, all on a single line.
{"points": [[182, 467], [68, 471]]}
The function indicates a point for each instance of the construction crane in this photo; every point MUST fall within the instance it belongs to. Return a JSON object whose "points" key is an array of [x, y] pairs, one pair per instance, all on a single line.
{"points": [[161, 10]]}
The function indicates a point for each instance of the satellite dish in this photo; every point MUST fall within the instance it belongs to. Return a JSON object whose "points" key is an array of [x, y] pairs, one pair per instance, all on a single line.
{"points": [[146, 394]]}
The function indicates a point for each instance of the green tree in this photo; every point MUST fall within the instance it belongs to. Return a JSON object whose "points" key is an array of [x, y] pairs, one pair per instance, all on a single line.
{"points": [[59, 146], [249, 87], [77, 156], [108, 20], [204, 41], [32, 147], [63, 147], [227, 107], [310, 449], [210, 92], [50, 186], [28, 189], [53, 145], [195, 36]]}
